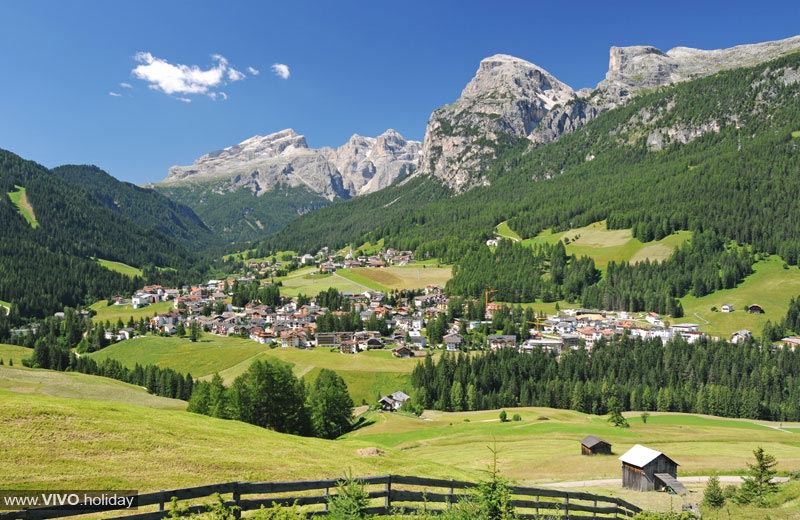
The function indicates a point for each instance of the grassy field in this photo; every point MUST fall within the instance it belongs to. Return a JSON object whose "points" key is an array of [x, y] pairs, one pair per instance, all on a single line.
{"points": [[303, 282], [20, 199], [506, 232], [14, 353], [119, 267], [368, 374], [85, 444], [74, 385], [771, 286], [113, 313], [545, 445], [604, 245], [210, 354], [411, 276]]}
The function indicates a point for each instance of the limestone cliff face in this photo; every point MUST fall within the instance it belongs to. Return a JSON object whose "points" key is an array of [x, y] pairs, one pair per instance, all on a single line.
{"points": [[632, 69], [261, 163], [369, 164], [507, 97]]}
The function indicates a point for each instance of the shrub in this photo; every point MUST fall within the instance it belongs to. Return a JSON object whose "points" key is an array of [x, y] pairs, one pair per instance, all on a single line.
{"points": [[503, 416], [516, 418], [349, 502]]}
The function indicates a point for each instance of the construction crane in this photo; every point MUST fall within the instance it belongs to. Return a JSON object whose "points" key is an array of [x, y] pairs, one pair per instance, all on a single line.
{"points": [[488, 292]]}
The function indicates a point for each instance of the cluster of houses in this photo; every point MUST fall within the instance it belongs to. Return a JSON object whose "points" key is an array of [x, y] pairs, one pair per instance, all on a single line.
{"points": [[329, 263], [291, 325]]}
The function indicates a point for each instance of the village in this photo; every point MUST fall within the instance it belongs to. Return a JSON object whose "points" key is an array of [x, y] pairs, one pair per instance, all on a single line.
{"points": [[405, 318]]}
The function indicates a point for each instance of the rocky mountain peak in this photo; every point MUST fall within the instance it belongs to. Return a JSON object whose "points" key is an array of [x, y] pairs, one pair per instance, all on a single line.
{"points": [[260, 163], [508, 96]]}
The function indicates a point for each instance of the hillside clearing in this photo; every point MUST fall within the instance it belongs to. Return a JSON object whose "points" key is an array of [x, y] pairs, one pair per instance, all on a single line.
{"points": [[210, 354], [367, 374], [104, 445], [75, 385], [119, 267], [770, 286], [20, 199], [604, 245], [113, 312], [506, 232], [14, 353], [406, 277]]}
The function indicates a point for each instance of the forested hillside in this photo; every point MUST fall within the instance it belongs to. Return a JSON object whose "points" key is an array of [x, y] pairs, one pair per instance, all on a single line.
{"points": [[716, 153], [49, 266], [146, 207], [718, 156]]}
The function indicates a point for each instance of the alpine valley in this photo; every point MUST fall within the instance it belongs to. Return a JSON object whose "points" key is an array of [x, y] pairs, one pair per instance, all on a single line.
{"points": [[583, 258]]}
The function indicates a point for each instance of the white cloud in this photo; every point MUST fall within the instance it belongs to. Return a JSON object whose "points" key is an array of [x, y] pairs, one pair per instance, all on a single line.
{"points": [[281, 70], [185, 79], [114, 94], [253, 71], [126, 85]]}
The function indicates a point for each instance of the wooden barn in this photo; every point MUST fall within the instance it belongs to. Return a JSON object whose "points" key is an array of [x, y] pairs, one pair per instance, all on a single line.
{"points": [[645, 469], [592, 445]]}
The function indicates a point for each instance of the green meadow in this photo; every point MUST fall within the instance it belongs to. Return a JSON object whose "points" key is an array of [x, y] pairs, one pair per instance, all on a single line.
{"points": [[119, 267], [368, 374], [771, 286], [112, 313], [604, 245], [14, 354], [20, 199]]}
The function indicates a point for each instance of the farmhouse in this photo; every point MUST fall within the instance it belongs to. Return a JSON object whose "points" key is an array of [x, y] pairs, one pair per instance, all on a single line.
{"points": [[645, 469], [755, 309], [452, 342], [498, 341], [402, 352], [393, 402], [591, 445], [728, 307]]}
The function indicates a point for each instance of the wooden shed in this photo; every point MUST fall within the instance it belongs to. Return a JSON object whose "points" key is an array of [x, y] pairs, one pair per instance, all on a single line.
{"points": [[645, 469], [591, 445]]}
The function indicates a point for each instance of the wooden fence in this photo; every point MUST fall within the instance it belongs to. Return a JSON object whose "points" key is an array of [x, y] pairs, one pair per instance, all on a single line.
{"points": [[388, 495]]}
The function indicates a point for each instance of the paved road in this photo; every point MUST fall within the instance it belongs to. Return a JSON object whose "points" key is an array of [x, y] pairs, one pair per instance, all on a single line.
{"points": [[725, 479]]}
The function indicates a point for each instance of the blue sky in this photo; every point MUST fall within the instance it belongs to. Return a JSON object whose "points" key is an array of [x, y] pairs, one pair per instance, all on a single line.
{"points": [[353, 67]]}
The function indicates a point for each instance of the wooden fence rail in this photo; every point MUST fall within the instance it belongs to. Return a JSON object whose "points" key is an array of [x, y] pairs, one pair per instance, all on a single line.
{"points": [[388, 494]]}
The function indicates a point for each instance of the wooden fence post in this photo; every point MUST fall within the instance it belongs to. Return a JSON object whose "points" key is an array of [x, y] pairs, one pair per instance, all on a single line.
{"points": [[566, 507], [236, 496], [161, 501], [452, 495], [537, 505], [387, 502], [594, 513], [327, 494]]}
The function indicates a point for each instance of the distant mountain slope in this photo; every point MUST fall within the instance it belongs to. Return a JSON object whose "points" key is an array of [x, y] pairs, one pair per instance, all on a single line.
{"points": [[510, 99], [146, 207], [716, 152], [258, 186], [47, 267]]}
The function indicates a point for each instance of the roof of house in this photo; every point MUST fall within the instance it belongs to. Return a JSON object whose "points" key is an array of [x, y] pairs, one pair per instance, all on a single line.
{"points": [[641, 456], [590, 441]]}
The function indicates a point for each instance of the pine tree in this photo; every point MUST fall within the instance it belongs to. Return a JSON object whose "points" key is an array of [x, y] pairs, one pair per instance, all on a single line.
{"points": [[713, 496], [758, 483]]}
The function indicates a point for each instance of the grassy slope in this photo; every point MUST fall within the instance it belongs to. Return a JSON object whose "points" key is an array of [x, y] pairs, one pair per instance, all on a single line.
{"points": [[14, 353], [20, 199], [771, 286], [70, 444], [506, 232], [210, 354], [605, 245], [119, 267], [124, 312], [701, 445], [368, 374], [411, 276], [303, 282], [80, 386]]}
